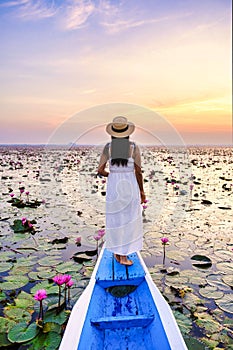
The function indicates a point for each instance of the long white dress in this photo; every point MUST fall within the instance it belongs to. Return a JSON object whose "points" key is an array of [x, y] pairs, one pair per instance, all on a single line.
{"points": [[124, 230]]}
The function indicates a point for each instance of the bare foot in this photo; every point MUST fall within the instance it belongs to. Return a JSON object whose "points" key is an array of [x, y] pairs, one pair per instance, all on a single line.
{"points": [[117, 257], [125, 261]]}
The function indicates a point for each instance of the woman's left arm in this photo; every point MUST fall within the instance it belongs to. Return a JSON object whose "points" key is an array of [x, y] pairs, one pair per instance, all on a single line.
{"points": [[102, 163]]}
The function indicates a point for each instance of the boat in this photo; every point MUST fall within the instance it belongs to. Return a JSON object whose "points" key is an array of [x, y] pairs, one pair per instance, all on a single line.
{"points": [[121, 309]]}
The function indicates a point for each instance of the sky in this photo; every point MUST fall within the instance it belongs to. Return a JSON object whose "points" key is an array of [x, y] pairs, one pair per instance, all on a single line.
{"points": [[68, 67]]}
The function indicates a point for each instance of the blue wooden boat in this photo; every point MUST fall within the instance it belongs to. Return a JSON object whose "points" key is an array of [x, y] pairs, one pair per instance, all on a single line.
{"points": [[121, 309]]}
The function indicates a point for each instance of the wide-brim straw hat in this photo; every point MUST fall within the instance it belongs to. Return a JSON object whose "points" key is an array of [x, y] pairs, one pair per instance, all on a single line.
{"points": [[120, 127]]}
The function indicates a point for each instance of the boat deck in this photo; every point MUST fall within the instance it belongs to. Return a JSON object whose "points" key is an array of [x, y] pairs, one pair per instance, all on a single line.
{"points": [[111, 273], [122, 313]]}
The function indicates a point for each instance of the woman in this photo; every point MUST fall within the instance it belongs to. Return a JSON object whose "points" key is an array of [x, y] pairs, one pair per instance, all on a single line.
{"points": [[124, 193]]}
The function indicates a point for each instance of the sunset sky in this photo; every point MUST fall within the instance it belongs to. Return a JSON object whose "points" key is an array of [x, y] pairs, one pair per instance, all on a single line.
{"points": [[69, 66]]}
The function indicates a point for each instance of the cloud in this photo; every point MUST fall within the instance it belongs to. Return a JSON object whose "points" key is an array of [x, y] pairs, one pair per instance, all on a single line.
{"points": [[77, 13], [31, 9]]}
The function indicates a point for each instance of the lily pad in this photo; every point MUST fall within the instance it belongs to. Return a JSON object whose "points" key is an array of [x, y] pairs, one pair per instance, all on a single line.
{"points": [[14, 282], [45, 341], [52, 316], [184, 322], [207, 322], [5, 266], [49, 261], [21, 332], [226, 303], [24, 300], [49, 287], [217, 281], [201, 261], [228, 280], [211, 292], [17, 314], [68, 266]]}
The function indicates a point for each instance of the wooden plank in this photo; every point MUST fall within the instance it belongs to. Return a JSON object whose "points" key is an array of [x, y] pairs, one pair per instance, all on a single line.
{"points": [[136, 270], [118, 322], [111, 273], [105, 270], [119, 271]]}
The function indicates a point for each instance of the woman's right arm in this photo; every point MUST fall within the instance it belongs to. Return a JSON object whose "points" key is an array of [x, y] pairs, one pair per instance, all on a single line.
{"points": [[138, 173]]}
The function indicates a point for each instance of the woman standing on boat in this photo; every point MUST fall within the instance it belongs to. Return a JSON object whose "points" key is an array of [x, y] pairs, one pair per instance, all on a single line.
{"points": [[125, 193]]}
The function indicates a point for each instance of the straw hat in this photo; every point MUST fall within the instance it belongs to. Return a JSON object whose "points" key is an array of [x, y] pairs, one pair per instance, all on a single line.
{"points": [[120, 127]]}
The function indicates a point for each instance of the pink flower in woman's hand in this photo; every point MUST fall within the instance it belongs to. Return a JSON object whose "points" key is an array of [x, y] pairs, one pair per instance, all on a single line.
{"points": [[40, 295], [164, 240], [59, 280], [66, 278], [70, 283], [101, 232]]}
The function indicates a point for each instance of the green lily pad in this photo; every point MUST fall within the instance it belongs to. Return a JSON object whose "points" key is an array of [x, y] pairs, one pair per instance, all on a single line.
{"points": [[49, 287], [211, 292], [4, 342], [207, 322], [184, 322], [17, 314], [2, 296], [216, 280], [5, 266], [24, 300], [6, 324], [49, 261], [176, 255], [193, 343], [21, 332], [45, 341], [51, 327], [228, 280], [52, 316], [201, 261], [14, 282], [226, 303], [225, 266], [68, 266]]}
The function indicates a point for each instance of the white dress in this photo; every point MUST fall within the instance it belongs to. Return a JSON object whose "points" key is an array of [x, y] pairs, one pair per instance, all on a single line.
{"points": [[124, 231]]}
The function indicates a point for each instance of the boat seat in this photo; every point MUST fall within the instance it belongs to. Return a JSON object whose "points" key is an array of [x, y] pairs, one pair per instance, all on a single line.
{"points": [[110, 273], [118, 322]]}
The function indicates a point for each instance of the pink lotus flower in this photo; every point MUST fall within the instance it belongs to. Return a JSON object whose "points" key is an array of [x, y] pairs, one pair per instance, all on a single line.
{"points": [[146, 201], [66, 278], [70, 283], [164, 240], [24, 220], [144, 206], [97, 238], [78, 240], [59, 280], [191, 187], [21, 190], [40, 295], [27, 193], [101, 232], [12, 195]]}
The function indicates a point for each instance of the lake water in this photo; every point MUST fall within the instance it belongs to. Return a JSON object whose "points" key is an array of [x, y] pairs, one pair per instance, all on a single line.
{"points": [[190, 196]]}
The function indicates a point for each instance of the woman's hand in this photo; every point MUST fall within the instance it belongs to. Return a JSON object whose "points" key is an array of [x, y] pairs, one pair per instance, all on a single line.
{"points": [[143, 197]]}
